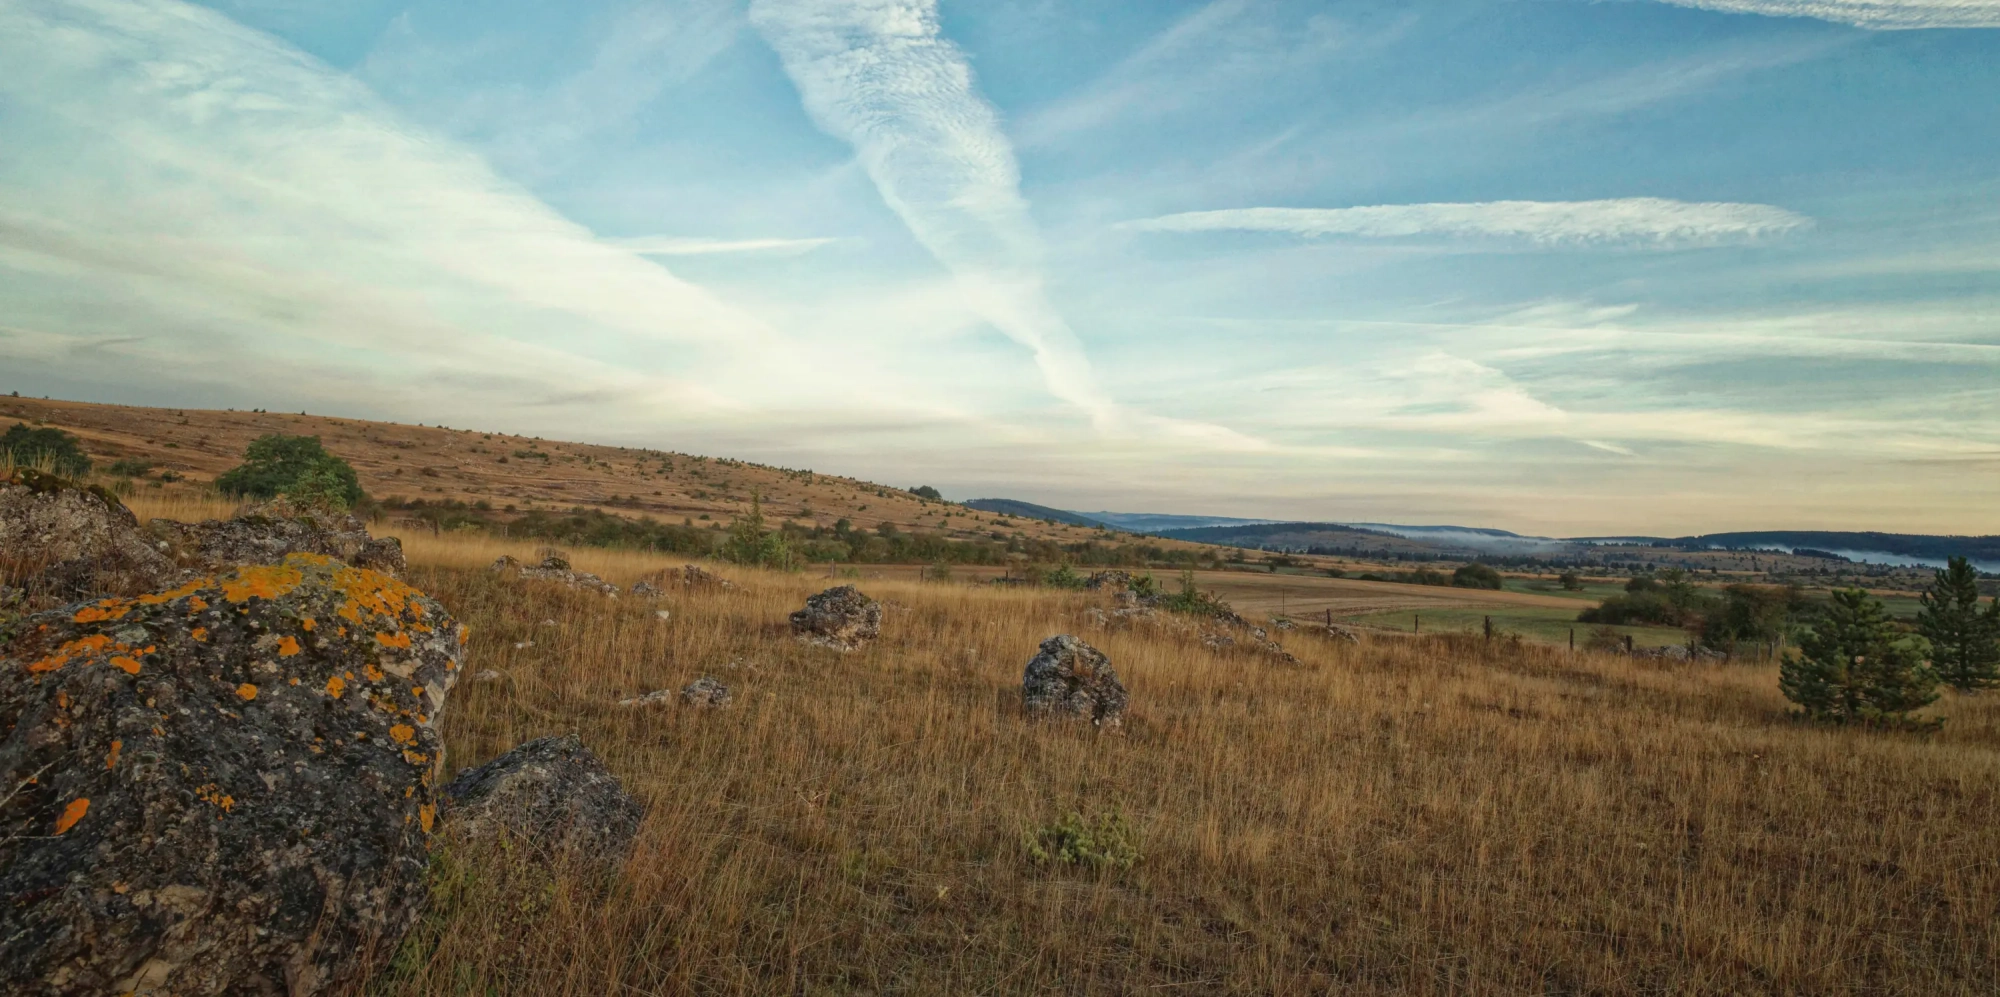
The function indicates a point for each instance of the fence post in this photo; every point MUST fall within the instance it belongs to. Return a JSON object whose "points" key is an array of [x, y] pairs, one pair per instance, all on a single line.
{"points": [[1416, 623], [1572, 638], [1489, 627]]}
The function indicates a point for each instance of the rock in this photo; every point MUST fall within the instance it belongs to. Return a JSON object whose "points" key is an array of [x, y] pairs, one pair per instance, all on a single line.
{"points": [[555, 568], [662, 697], [1283, 625], [705, 692], [643, 589], [1070, 678], [1217, 641], [689, 576], [840, 618], [1113, 579], [222, 788], [61, 542], [489, 676], [551, 793], [265, 533], [663, 615], [1338, 632]]}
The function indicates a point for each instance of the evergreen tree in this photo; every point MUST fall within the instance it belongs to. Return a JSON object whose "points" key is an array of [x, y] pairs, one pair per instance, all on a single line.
{"points": [[1855, 667], [1965, 642]]}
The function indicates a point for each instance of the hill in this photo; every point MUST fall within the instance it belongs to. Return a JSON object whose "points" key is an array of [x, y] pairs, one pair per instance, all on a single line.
{"points": [[1029, 510]]}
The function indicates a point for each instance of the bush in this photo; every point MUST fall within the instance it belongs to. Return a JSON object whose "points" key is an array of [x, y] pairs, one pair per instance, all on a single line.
{"points": [[294, 466], [1570, 581], [1476, 576], [48, 446], [1856, 668], [927, 492], [127, 467], [1109, 843]]}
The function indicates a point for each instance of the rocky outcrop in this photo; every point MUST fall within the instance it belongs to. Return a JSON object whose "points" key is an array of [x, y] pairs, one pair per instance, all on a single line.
{"points": [[840, 618], [555, 568], [222, 788], [689, 576], [264, 533], [1115, 579], [1069, 678], [61, 542], [705, 692], [551, 793]]}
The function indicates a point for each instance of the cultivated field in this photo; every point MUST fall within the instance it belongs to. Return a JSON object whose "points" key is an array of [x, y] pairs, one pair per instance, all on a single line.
{"points": [[1430, 815]]}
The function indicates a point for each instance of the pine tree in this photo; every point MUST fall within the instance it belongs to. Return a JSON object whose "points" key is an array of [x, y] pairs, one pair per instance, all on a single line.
{"points": [[1965, 642], [1855, 667]]}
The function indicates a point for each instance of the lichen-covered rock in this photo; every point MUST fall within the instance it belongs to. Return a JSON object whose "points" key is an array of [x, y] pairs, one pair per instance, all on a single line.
{"points": [[1069, 678], [551, 793], [224, 788], [1115, 579], [61, 542], [555, 568], [840, 618], [265, 532], [705, 691]]}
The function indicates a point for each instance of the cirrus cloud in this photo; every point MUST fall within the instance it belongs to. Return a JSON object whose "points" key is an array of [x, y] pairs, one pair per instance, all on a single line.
{"points": [[1878, 15], [1633, 220]]}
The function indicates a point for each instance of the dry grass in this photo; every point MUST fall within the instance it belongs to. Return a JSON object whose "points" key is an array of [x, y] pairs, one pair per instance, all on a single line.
{"points": [[1405, 816]]}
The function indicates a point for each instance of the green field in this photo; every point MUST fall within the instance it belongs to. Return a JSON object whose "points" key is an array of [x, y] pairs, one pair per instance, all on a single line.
{"points": [[1531, 622]]}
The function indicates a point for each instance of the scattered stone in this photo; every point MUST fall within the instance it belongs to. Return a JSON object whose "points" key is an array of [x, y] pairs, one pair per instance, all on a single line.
{"points": [[840, 618], [551, 793], [522, 645], [263, 533], [61, 542], [226, 787], [663, 614], [1113, 579], [1070, 678], [555, 568], [1338, 632], [489, 676], [705, 692], [643, 589], [1283, 625], [663, 697], [1217, 641], [689, 576]]}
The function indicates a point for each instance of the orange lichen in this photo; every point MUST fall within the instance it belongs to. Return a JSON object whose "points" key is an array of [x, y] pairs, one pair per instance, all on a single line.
{"points": [[374, 593], [246, 692], [334, 687], [393, 640], [129, 666], [415, 757], [189, 589], [82, 647], [403, 734], [264, 581], [111, 760], [199, 633], [71, 814], [197, 604], [287, 647], [371, 673], [212, 793], [307, 624], [62, 699], [427, 815], [107, 609]]}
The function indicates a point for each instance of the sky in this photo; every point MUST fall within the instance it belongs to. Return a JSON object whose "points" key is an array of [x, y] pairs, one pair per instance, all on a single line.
{"points": [[1558, 266]]}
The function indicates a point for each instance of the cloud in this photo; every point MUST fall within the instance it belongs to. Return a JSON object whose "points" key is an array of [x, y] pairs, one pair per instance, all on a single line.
{"points": [[879, 75], [1878, 15], [1636, 220], [667, 245]]}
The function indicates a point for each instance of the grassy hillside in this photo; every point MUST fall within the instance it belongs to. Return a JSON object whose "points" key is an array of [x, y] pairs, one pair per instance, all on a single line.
{"points": [[1409, 815]]}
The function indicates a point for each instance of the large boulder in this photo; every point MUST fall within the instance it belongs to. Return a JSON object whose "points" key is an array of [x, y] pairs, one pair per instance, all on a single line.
{"points": [[224, 788], [840, 618], [61, 542], [551, 793], [1069, 678], [264, 533]]}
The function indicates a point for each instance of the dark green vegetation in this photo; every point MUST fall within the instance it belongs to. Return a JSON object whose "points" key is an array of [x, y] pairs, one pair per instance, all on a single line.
{"points": [[297, 467], [1476, 576], [1857, 667], [47, 445], [1965, 639]]}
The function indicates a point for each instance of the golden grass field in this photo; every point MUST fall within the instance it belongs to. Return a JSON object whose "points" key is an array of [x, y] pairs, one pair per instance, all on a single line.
{"points": [[1406, 816]]}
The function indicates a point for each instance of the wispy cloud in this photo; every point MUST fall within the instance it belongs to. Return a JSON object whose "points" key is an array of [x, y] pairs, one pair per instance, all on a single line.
{"points": [[1879, 15], [667, 245], [1637, 220], [879, 75]]}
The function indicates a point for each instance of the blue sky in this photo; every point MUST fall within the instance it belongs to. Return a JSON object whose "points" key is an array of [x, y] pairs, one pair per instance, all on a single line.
{"points": [[1556, 266]]}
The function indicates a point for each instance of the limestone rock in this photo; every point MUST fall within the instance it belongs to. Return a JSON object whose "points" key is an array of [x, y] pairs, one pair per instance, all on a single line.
{"points": [[555, 568], [1070, 678], [264, 533], [61, 542], [553, 794], [1115, 579], [643, 589], [225, 788], [840, 618], [706, 692], [658, 697]]}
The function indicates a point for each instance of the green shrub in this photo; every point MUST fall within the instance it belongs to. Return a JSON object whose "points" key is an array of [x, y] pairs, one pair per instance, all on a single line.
{"points": [[1194, 602], [45, 447], [127, 467], [927, 492], [294, 466], [1570, 581], [1108, 843], [1476, 576]]}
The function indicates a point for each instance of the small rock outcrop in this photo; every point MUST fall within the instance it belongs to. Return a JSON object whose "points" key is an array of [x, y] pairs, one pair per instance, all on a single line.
{"points": [[265, 532], [555, 568], [551, 793], [705, 692], [226, 787], [840, 618], [1069, 678], [61, 542]]}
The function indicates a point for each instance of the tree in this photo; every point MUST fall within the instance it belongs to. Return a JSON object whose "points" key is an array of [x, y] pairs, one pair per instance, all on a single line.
{"points": [[1570, 581], [927, 492], [1475, 576], [29, 447], [1965, 642], [294, 466], [750, 543], [1855, 667]]}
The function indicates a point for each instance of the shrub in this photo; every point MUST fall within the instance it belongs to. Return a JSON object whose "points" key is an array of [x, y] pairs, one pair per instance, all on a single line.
{"points": [[45, 447], [127, 467], [1570, 581], [1856, 668], [1108, 843], [295, 466], [1475, 576], [927, 492], [1194, 602]]}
